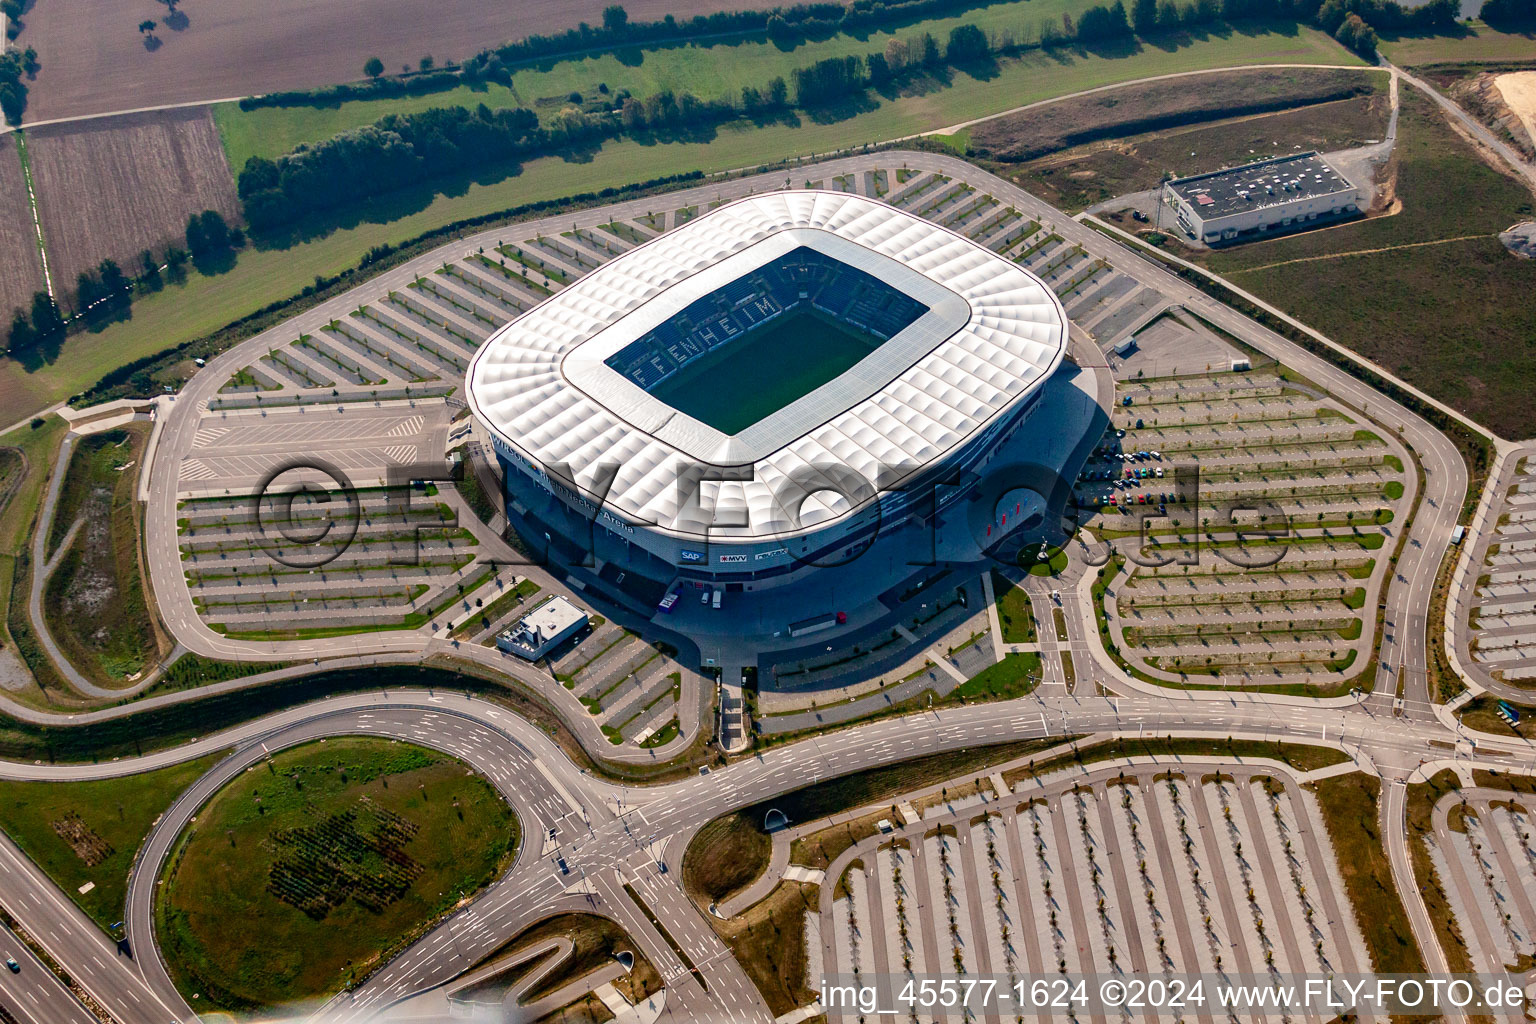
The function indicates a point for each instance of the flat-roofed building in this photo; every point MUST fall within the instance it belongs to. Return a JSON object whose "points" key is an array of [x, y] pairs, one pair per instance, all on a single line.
{"points": [[1262, 198], [543, 629]]}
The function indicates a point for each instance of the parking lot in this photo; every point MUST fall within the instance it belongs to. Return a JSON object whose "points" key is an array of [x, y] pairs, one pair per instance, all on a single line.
{"points": [[235, 450], [1121, 869], [1483, 851], [397, 558], [1503, 615], [1258, 514]]}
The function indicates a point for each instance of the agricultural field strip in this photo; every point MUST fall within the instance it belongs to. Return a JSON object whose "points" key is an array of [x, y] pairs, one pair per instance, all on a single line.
{"points": [[1301, 619], [1098, 872]]}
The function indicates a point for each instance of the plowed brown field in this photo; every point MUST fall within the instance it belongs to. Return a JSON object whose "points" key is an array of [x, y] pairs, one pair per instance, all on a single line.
{"points": [[117, 186], [94, 61], [21, 271]]}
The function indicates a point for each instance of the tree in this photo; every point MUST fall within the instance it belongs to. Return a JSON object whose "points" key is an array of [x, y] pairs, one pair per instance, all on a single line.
{"points": [[930, 51], [47, 321], [149, 267], [87, 290], [21, 335], [426, 63], [1510, 14], [1144, 16], [13, 92], [1357, 35], [967, 45], [1099, 22], [832, 80], [1167, 16], [879, 69], [1330, 17], [632, 114], [373, 68], [147, 26], [778, 93], [615, 19], [207, 234], [114, 283], [258, 174]]}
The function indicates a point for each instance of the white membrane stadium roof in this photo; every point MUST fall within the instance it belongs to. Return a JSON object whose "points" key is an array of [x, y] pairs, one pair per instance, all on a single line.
{"points": [[546, 393]]}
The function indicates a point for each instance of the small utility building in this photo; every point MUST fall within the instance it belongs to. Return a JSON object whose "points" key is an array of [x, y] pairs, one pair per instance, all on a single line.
{"points": [[543, 629], [1262, 198]]}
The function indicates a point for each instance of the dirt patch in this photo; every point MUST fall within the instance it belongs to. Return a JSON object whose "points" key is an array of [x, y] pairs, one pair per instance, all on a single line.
{"points": [[117, 186], [1161, 105], [1505, 102], [18, 241], [95, 61], [1519, 91], [82, 839]]}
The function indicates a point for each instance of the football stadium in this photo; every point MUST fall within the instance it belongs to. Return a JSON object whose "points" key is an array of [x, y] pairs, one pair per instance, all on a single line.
{"points": [[765, 389]]}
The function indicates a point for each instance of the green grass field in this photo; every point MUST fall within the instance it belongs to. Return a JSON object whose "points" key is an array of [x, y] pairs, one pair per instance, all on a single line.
{"points": [[710, 71], [1013, 611], [1430, 292], [108, 819], [735, 385], [1014, 676], [205, 303], [301, 874], [1480, 44]]}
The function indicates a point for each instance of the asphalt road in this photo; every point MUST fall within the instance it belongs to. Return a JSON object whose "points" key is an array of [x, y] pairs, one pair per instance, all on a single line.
{"points": [[609, 832], [33, 994]]}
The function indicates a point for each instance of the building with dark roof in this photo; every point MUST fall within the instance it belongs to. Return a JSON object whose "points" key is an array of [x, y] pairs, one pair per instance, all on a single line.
{"points": [[1262, 198]]}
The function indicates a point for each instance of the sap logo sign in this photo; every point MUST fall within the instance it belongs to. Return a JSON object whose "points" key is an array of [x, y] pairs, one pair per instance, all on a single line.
{"points": [[692, 556]]}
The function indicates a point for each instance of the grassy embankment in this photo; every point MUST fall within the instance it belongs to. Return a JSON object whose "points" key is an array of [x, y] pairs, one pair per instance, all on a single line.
{"points": [[86, 833], [39, 445], [301, 876], [1350, 805], [1013, 611], [709, 70], [203, 304]]}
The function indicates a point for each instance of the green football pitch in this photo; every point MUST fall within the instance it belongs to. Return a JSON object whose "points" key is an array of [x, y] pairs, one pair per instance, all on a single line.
{"points": [[735, 385]]}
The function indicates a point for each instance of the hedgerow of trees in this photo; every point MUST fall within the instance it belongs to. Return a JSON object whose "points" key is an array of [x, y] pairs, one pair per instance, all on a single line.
{"points": [[14, 65], [401, 150]]}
